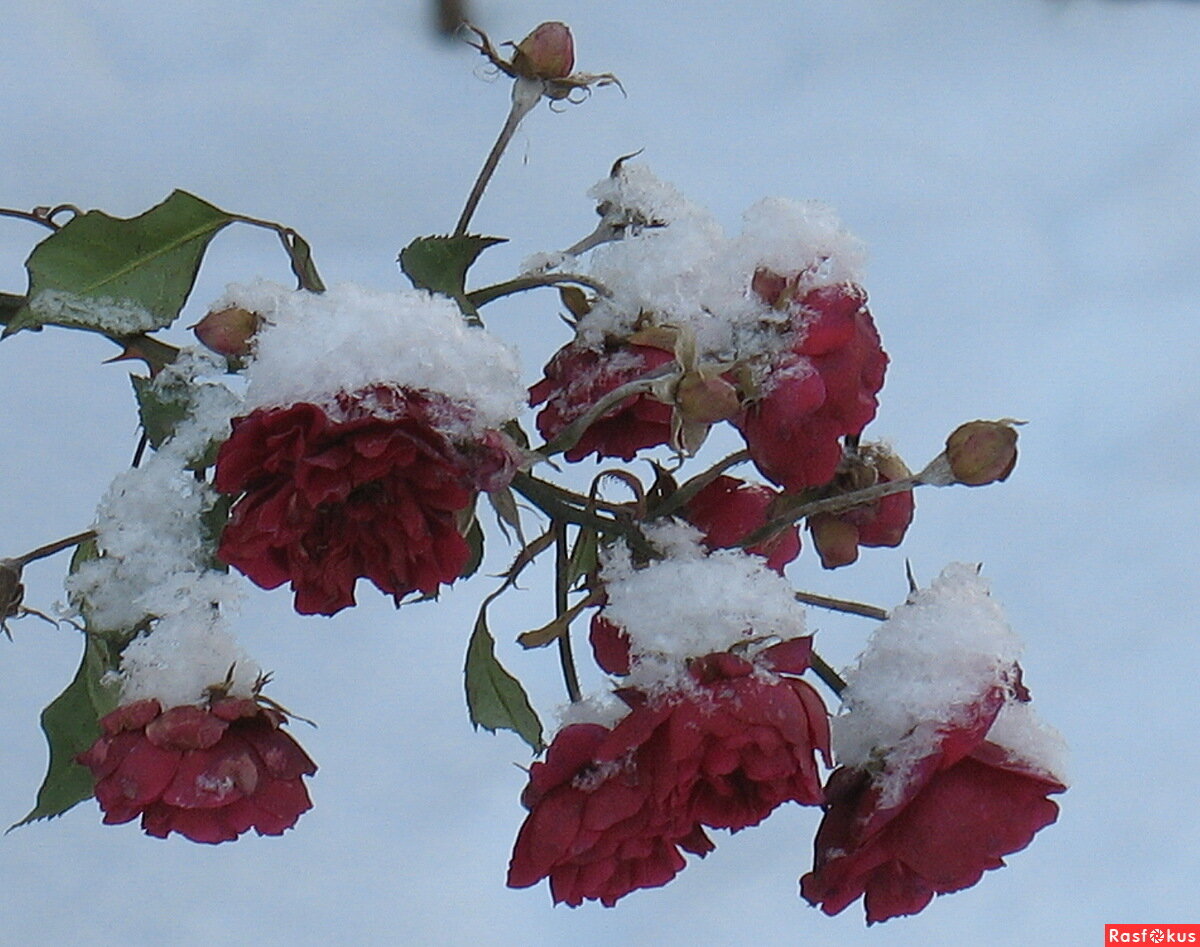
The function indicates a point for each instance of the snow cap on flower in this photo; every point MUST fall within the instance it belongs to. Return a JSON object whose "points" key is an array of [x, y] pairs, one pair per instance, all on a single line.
{"points": [[692, 603], [314, 346], [924, 670]]}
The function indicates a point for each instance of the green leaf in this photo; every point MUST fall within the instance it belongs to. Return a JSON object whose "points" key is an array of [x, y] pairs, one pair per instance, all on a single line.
{"points": [[302, 263], [584, 559], [474, 537], [71, 725], [495, 699], [159, 416], [440, 265], [119, 276]]}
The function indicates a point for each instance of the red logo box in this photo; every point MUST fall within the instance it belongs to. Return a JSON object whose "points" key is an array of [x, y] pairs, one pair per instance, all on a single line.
{"points": [[1152, 933]]}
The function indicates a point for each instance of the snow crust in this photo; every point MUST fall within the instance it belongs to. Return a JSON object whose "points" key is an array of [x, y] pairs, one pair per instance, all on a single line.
{"points": [[924, 671], [674, 265], [315, 345], [113, 316], [692, 603], [156, 572]]}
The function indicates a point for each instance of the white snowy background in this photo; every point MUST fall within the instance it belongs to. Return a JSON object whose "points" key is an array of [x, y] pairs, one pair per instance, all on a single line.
{"points": [[1027, 178]]}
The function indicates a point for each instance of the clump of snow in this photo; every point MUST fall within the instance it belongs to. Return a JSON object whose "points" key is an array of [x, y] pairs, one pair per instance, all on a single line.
{"points": [[674, 265], [1030, 741], [114, 316], [925, 670], [315, 345], [155, 571], [209, 406], [604, 709], [186, 653], [692, 602]]}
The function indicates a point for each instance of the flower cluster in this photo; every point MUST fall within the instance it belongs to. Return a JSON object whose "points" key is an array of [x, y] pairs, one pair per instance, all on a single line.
{"points": [[208, 773]]}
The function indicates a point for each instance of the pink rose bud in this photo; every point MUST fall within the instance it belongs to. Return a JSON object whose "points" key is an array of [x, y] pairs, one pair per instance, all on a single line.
{"points": [[546, 53], [706, 400], [982, 452], [228, 331]]}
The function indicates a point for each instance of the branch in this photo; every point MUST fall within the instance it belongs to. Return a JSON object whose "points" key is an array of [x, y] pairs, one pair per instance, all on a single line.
{"points": [[842, 605], [525, 95], [481, 297]]}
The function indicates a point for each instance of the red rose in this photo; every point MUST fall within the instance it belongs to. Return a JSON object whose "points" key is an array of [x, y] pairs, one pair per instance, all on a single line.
{"points": [[728, 510], [373, 493], [959, 810], [207, 773], [577, 377], [593, 829], [611, 809], [821, 390]]}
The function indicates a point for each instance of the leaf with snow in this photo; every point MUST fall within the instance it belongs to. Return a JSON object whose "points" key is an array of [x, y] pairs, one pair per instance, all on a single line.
{"points": [[119, 276], [495, 699]]}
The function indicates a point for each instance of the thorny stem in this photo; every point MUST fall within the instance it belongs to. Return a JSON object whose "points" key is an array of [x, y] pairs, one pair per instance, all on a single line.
{"points": [[828, 675], [688, 490], [481, 297], [57, 546], [525, 95], [842, 605], [558, 504], [562, 560], [936, 473], [41, 215]]}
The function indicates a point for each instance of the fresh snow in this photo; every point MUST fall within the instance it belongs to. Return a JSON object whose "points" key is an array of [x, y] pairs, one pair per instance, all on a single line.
{"points": [[315, 345], [923, 670]]}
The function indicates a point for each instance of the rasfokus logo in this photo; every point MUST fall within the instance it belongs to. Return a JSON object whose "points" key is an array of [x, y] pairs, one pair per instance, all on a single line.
{"points": [[1152, 933]]}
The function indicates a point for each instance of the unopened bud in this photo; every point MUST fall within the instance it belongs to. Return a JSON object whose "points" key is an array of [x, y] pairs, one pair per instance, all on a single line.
{"points": [[228, 331], [706, 400], [836, 539], [981, 452], [546, 53]]}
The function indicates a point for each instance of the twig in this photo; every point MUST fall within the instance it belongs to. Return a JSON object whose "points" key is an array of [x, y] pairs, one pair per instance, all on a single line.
{"points": [[481, 297], [562, 561], [842, 605], [525, 95], [51, 548]]}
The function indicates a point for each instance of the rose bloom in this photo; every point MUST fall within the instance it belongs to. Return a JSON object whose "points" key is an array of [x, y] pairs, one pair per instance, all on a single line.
{"points": [[959, 810], [209, 774], [822, 389], [373, 493], [728, 510], [611, 809], [577, 377], [593, 828]]}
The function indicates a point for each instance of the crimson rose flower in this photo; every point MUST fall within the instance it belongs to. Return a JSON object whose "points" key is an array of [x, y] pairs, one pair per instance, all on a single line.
{"points": [[728, 510], [374, 493], [208, 773], [957, 812], [822, 389], [610, 810], [578, 377]]}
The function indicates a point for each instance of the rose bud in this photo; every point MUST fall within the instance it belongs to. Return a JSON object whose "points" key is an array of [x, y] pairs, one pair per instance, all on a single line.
{"points": [[546, 53], [229, 331], [706, 400], [981, 452]]}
